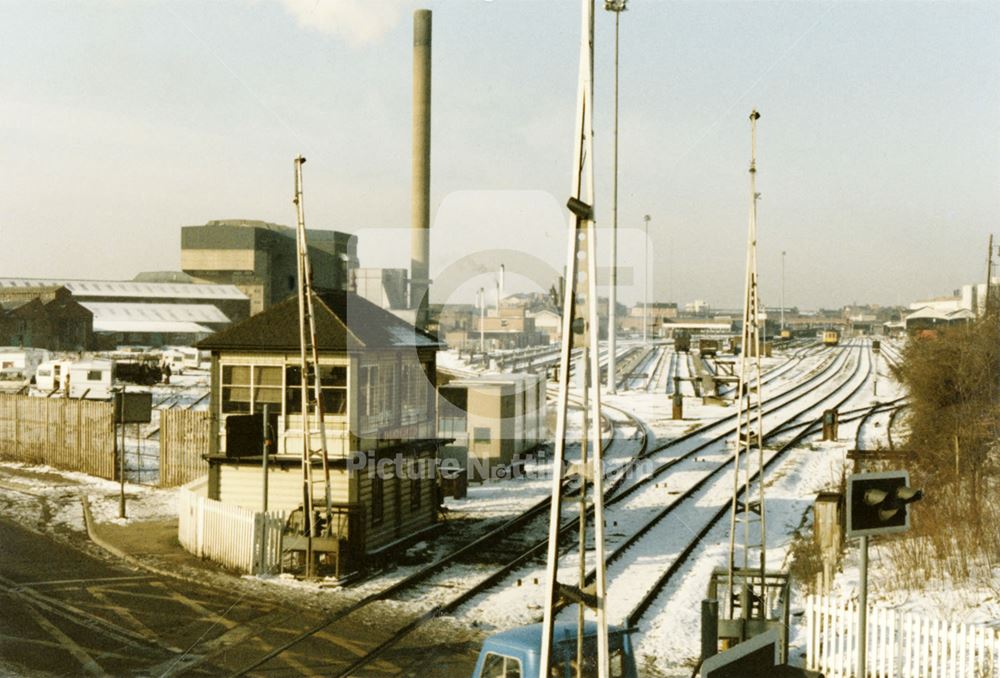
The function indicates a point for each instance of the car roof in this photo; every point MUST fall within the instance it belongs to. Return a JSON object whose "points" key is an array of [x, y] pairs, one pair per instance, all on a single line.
{"points": [[530, 637]]}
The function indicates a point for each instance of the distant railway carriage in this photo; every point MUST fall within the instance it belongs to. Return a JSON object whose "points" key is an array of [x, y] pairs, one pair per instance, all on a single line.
{"points": [[682, 342], [708, 348], [831, 337], [785, 335]]}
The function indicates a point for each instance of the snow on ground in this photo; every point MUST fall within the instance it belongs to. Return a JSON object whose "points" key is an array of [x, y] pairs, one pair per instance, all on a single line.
{"points": [[50, 498], [668, 637]]}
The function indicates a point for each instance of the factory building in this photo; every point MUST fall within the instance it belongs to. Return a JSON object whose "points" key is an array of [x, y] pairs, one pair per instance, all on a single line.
{"points": [[377, 376], [103, 314], [260, 258]]}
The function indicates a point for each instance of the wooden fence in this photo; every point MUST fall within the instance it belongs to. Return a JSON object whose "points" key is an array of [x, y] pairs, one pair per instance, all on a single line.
{"points": [[184, 439], [229, 534], [76, 435], [899, 644]]}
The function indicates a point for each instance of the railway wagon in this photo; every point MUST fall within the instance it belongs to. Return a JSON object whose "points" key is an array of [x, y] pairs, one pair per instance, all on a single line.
{"points": [[708, 348], [831, 337], [682, 342]]}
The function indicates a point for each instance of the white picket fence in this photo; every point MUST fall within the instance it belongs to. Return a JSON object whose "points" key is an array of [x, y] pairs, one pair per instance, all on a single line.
{"points": [[228, 534], [899, 644]]}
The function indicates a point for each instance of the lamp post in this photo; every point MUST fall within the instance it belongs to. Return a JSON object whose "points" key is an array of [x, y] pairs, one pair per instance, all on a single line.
{"points": [[782, 290], [482, 320], [645, 280], [616, 6]]}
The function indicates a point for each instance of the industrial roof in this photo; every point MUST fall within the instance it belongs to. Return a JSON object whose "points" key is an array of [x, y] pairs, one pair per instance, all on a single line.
{"points": [[344, 322], [150, 326], [171, 318], [111, 310], [928, 312], [143, 290]]}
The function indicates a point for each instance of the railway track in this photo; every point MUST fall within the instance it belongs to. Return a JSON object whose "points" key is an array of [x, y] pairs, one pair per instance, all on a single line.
{"points": [[636, 612], [612, 496], [472, 550]]}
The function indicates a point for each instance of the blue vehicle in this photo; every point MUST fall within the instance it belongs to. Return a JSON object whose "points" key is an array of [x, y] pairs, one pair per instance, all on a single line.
{"points": [[517, 653]]}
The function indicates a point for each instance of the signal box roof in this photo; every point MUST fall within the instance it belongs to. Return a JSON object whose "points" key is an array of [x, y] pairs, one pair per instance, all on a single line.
{"points": [[344, 322]]}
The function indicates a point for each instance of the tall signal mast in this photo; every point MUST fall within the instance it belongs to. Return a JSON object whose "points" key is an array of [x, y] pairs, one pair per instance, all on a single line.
{"points": [[580, 330], [748, 514], [309, 366]]}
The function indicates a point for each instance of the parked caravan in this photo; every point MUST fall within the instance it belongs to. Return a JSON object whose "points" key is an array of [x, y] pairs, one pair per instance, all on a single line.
{"points": [[21, 363], [51, 375], [181, 358], [92, 379]]}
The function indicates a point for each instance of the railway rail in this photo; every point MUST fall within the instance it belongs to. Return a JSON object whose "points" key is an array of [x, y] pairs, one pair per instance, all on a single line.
{"points": [[612, 495]]}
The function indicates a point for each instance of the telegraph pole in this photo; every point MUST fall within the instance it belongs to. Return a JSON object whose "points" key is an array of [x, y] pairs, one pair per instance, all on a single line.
{"points": [[616, 6], [782, 290]]}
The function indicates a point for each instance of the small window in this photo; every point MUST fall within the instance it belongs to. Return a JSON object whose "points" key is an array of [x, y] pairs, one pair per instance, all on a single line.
{"points": [[481, 434], [93, 375]]}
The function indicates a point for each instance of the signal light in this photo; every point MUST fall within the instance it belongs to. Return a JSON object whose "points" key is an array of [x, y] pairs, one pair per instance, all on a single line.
{"points": [[876, 503]]}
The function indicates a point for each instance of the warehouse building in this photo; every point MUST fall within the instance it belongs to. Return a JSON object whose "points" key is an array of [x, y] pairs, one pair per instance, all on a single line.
{"points": [[260, 258], [103, 314], [377, 378]]}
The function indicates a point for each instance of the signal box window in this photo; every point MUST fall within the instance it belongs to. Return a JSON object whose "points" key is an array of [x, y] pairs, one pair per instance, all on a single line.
{"points": [[235, 389], [332, 384]]}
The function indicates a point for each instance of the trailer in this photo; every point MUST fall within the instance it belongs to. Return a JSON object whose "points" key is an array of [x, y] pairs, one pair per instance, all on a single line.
{"points": [[91, 379], [21, 363], [50, 377]]}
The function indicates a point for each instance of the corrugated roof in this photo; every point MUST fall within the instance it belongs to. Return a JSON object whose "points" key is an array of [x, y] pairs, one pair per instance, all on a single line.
{"points": [[144, 290], [344, 322], [152, 326], [129, 311]]}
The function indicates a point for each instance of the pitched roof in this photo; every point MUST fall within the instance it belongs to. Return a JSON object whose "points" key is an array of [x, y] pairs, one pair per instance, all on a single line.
{"points": [[344, 322]]}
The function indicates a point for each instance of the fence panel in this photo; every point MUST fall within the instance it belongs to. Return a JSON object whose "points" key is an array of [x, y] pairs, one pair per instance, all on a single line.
{"points": [[75, 435], [229, 534], [898, 644], [184, 437]]}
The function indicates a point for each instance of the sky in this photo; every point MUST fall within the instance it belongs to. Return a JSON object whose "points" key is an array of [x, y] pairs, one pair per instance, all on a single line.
{"points": [[878, 149]]}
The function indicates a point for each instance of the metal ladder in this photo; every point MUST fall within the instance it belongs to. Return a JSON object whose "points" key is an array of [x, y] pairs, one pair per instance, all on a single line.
{"points": [[309, 366], [748, 515], [580, 330]]}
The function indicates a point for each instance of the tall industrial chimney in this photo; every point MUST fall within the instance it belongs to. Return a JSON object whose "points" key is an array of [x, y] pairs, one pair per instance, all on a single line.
{"points": [[420, 215]]}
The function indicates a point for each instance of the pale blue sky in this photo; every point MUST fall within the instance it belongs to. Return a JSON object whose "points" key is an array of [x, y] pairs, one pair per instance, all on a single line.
{"points": [[879, 148]]}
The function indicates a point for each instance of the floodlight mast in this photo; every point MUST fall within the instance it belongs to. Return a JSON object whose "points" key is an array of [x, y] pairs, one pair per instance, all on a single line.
{"points": [[743, 509], [580, 330], [616, 6]]}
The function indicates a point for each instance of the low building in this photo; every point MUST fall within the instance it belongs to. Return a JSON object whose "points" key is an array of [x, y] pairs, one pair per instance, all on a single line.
{"points": [[123, 323], [548, 322], [377, 376], [227, 298], [931, 318], [493, 419]]}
